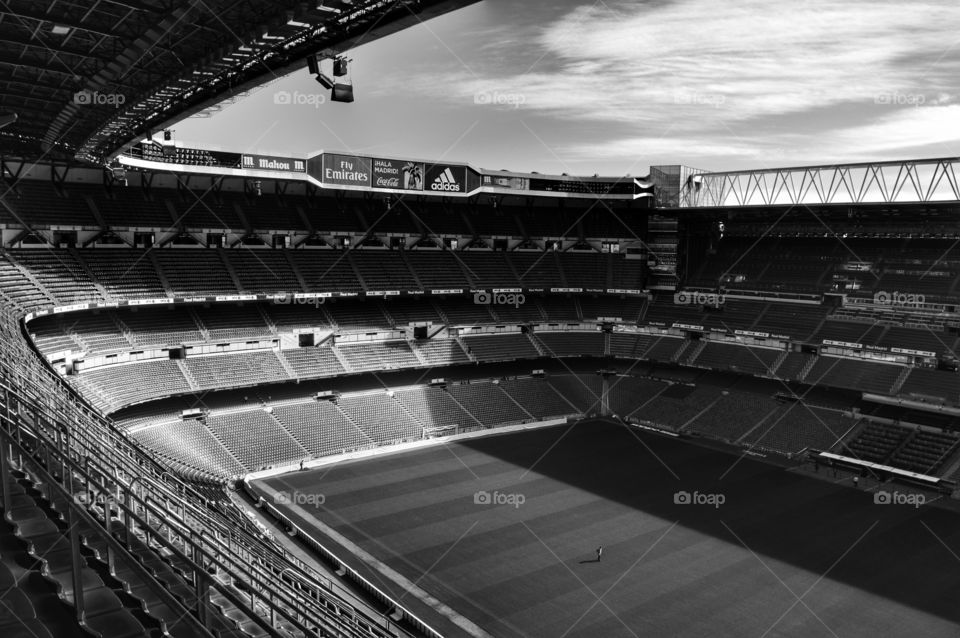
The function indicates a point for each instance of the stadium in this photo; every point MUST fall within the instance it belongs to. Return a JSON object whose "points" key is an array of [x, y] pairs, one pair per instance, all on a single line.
{"points": [[386, 396]]}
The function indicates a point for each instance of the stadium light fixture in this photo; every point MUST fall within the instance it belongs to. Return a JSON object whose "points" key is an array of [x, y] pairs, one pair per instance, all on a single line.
{"points": [[324, 81], [342, 93]]}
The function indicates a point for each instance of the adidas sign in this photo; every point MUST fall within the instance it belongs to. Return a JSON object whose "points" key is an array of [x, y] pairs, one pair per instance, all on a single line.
{"points": [[445, 181]]}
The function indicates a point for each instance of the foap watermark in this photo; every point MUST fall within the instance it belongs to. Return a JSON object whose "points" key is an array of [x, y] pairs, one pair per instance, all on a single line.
{"points": [[695, 298], [296, 98], [900, 99], [484, 298], [295, 300], [483, 497], [96, 98], [699, 498], [297, 497], [699, 99], [88, 497], [882, 497], [498, 98], [897, 298]]}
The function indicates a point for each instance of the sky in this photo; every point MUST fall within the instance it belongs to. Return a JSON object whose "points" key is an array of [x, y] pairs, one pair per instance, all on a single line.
{"points": [[612, 87]]}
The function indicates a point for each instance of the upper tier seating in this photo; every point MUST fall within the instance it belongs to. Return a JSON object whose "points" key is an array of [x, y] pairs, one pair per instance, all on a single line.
{"points": [[501, 347], [737, 358], [571, 344], [856, 375]]}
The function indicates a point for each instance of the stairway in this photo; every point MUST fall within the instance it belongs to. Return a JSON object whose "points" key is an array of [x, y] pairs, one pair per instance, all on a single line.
{"points": [[536, 344], [808, 366], [192, 382], [228, 264], [694, 352], [285, 364], [777, 363], [898, 384]]}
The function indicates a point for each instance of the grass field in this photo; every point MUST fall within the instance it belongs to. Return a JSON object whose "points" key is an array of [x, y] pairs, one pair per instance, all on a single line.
{"points": [[783, 555]]}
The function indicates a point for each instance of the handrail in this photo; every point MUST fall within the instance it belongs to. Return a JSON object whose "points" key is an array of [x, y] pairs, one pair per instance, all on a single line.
{"points": [[44, 408], [354, 574]]}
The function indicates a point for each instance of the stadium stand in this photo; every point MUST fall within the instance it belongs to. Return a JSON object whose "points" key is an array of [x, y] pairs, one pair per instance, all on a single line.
{"points": [[934, 384], [381, 417], [737, 358], [440, 352], [321, 428], [734, 415], [488, 403], [582, 390], [269, 421], [797, 426], [434, 407], [856, 375], [501, 347], [538, 398], [571, 343], [255, 438]]}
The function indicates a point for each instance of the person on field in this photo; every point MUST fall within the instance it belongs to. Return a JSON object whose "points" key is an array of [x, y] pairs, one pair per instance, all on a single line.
{"points": [[599, 553]]}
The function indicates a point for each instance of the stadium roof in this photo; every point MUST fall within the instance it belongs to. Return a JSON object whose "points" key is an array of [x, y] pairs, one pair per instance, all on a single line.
{"points": [[86, 77]]}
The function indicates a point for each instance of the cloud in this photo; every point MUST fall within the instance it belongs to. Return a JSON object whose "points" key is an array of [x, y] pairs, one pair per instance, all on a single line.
{"points": [[680, 77], [894, 136]]}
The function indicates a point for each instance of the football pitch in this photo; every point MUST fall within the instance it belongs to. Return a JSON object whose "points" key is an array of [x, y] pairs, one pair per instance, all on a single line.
{"points": [[503, 529]]}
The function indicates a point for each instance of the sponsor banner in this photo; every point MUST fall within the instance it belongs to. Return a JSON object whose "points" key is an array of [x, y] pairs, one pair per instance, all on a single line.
{"points": [[687, 326], [149, 302], [919, 353], [497, 291], [446, 291], [194, 299], [383, 293], [658, 324], [611, 319], [751, 333], [566, 290], [270, 163], [313, 295], [502, 181], [843, 344], [444, 178], [783, 337], [623, 291], [398, 174], [414, 292], [72, 308], [235, 297], [346, 170]]}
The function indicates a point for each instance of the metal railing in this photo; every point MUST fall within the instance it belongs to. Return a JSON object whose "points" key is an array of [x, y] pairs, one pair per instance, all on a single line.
{"points": [[219, 551]]}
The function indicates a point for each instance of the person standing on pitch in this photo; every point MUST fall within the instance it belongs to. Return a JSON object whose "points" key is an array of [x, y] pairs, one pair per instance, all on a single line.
{"points": [[599, 553]]}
